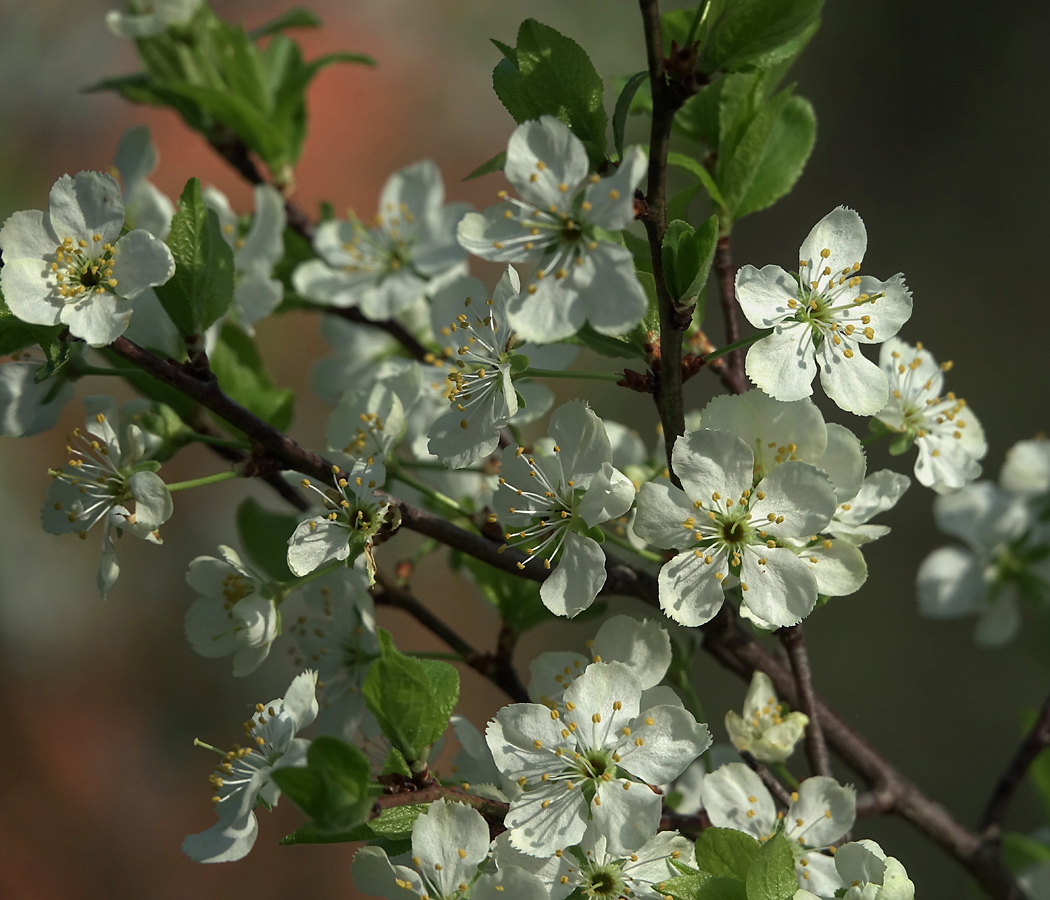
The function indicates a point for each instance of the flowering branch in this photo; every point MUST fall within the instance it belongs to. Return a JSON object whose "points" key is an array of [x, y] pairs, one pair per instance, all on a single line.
{"points": [[794, 641], [1037, 740]]}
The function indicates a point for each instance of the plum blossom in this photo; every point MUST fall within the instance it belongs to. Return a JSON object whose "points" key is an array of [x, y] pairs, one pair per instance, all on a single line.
{"points": [[149, 18], [821, 812], [872, 875], [558, 221], [234, 613], [71, 265], [551, 506], [821, 316], [26, 407], [580, 761], [109, 470], [244, 777], [409, 253], [947, 434], [764, 730], [731, 531]]}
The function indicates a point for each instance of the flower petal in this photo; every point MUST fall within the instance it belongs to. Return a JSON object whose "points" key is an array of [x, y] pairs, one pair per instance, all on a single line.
{"points": [[310, 547], [855, 383], [451, 840], [543, 155], [826, 809], [29, 291], [584, 445], [644, 646], [951, 583], [27, 235], [844, 462], [733, 791], [710, 462], [612, 198], [626, 813], [662, 512], [839, 569], [612, 294], [843, 233], [87, 204], [550, 314], [689, 592], [669, 744], [98, 319], [782, 591], [763, 295], [577, 578], [784, 363], [799, 493], [609, 496]]}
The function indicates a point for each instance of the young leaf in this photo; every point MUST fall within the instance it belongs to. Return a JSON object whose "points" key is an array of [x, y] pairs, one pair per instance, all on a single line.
{"points": [[687, 257], [294, 18], [749, 29], [771, 875], [201, 289], [623, 107], [495, 164], [701, 886], [726, 852], [410, 698], [264, 536], [696, 168], [736, 173]]}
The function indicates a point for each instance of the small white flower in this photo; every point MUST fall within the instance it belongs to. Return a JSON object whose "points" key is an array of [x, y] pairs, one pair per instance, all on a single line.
{"points": [[243, 778], [870, 874], [581, 760], [145, 206], [107, 471], [28, 408], [149, 18], [256, 293], [949, 438], [385, 269], [731, 532], [552, 505], [821, 316], [366, 426], [232, 615], [71, 265], [579, 276], [764, 730], [340, 640], [449, 842], [485, 353], [1027, 468], [644, 646], [1003, 561], [354, 516], [821, 812]]}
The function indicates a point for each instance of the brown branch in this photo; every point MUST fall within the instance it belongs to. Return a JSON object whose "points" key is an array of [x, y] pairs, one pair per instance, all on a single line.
{"points": [[724, 639], [768, 779], [1037, 740], [493, 810], [733, 377], [493, 666], [794, 641]]}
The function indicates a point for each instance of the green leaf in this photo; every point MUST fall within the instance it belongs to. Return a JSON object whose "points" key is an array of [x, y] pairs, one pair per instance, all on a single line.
{"points": [[391, 825], [771, 875], [516, 599], [495, 164], [294, 18], [736, 173], [410, 698], [687, 256], [623, 347], [395, 764], [550, 74], [264, 536], [701, 886], [748, 30], [639, 247], [695, 168], [623, 107], [787, 149], [201, 289], [237, 366], [1020, 851], [726, 852]]}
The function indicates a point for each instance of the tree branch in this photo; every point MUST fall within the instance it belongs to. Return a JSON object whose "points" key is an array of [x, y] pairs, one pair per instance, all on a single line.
{"points": [[493, 810], [794, 641], [734, 377], [498, 670], [768, 779], [1037, 740]]}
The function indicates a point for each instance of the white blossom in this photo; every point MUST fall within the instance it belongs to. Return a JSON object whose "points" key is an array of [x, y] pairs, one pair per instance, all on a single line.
{"points": [[1003, 561], [145, 206], [367, 425], [256, 292], [149, 18], [821, 812], [731, 532], [339, 639], [449, 842], [551, 505], [821, 316], [948, 436], [474, 766], [765, 730], [107, 472], [28, 408], [353, 516], [870, 874], [581, 760], [244, 777], [356, 349], [233, 614], [387, 268], [557, 221], [71, 265], [485, 353], [1027, 468], [879, 492], [644, 646]]}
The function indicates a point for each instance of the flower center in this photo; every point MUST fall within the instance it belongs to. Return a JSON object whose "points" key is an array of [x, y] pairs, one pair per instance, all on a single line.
{"points": [[604, 881], [78, 270], [550, 505]]}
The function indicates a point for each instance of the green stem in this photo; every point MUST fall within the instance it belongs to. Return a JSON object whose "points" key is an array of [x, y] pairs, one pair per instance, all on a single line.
{"points": [[873, 437], [426, 654], [430, 492], [736, 345], [516, 433], [556, 373], [435, 466], [200, 482], [627, 545], [85, 369], [216, 441], [790, 780], [698, 18]]}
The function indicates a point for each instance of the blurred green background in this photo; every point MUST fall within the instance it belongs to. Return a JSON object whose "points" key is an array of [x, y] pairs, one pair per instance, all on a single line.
{"points": [[933, 124]]}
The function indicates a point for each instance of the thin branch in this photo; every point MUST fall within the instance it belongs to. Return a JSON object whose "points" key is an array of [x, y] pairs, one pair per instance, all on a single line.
{"points": [[733, 377], [794, 641], [498, 671], [493, 810], [1037, 740], [768, 779]]}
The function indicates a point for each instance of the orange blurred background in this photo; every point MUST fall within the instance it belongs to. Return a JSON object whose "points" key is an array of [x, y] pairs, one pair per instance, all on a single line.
{"points": [[932, 126]]}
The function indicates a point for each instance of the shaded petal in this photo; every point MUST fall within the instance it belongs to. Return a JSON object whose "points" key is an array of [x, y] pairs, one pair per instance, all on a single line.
{"points": [[494, 236], [782, 591], [584, 445], [627, 815], [255, 297], [540, 831], [611, 292], [208, 629], [763, 295], [843, 233], [709, 462], [141, 261], [730, 793], [784, 363], [644, 646], [577, 578], [662, 510], [542, 155], [511, 738], [263, 245], [416, 189], [827, 810], [23, 411], [310, 547], [689, 592], [87, 204], [671, 743], [550, 314], [27, 235], [839, 569], [29, 291], [612, 198], [982, 515], [153, 506], [799, 492], [888, 313], [318, 281], [951, 583], [510, 881], [451, 840], [609, 496], [855, 383], [844, 462], [99, 320], [1001, 621]]}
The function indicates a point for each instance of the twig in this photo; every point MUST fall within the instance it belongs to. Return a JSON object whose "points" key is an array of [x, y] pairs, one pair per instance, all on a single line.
{"points": [[493, 810], [768, 778], [794, 641], [1037, 740], [734, 379], [497, 670]]}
